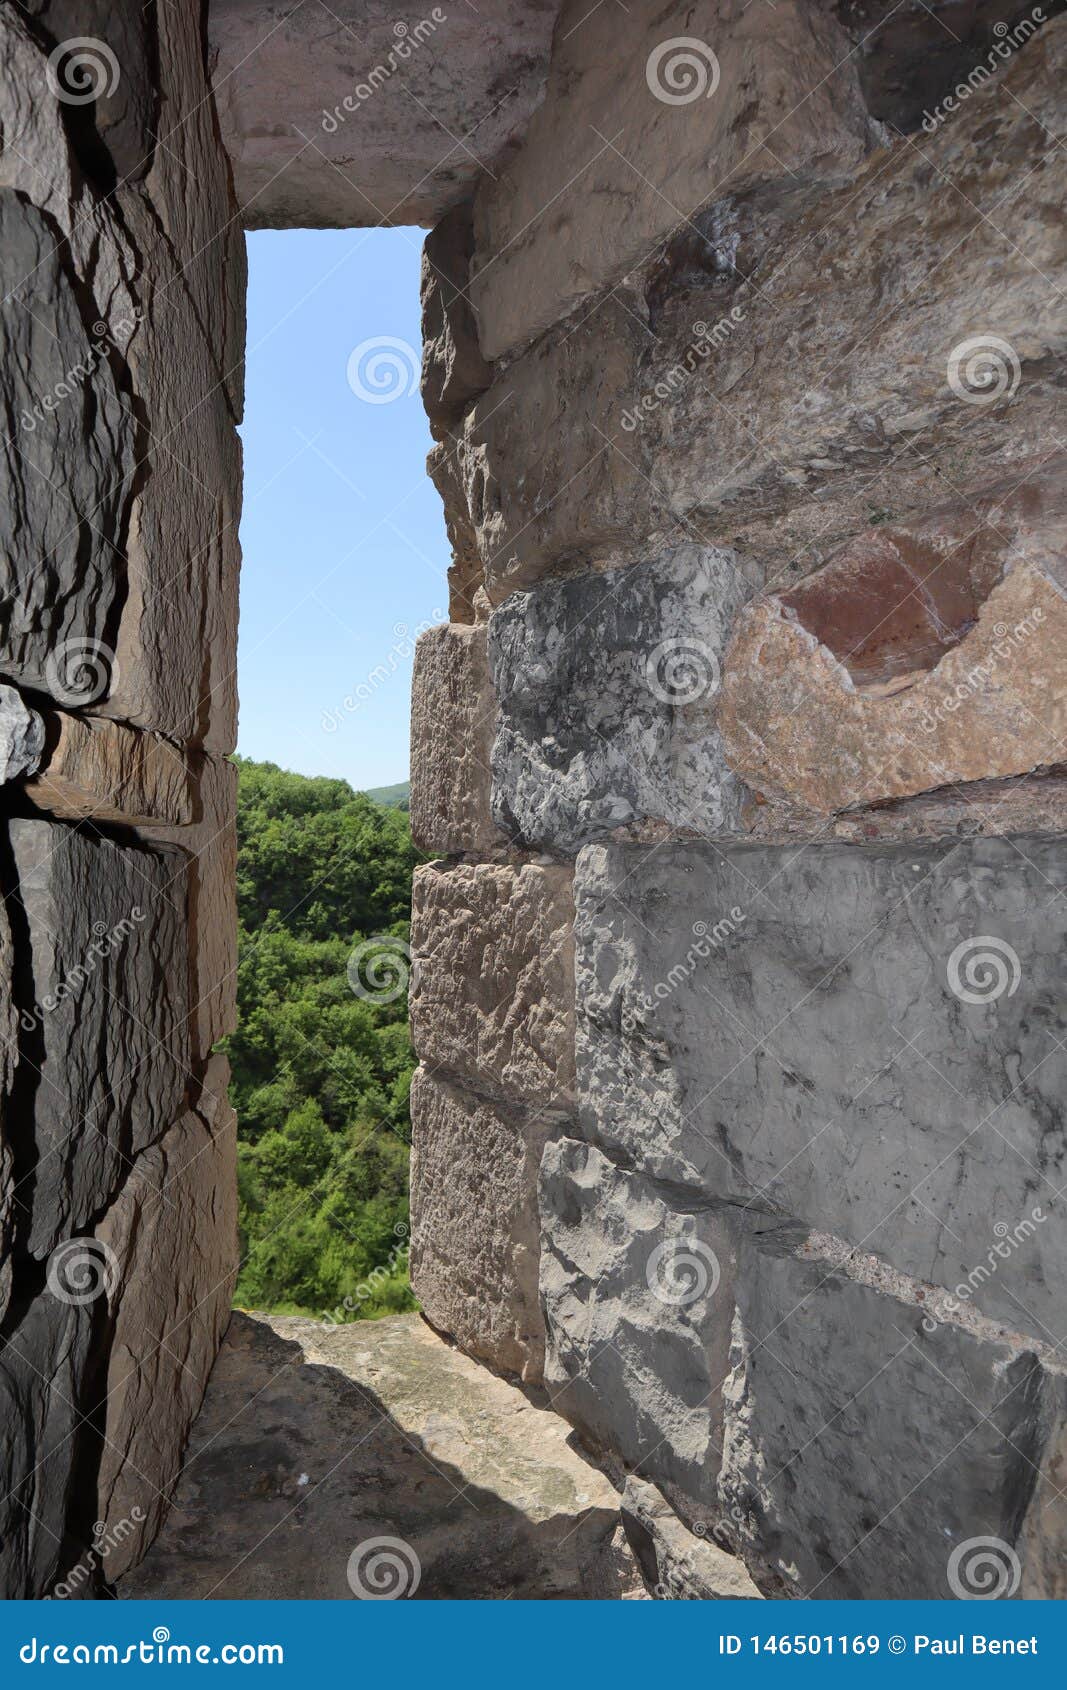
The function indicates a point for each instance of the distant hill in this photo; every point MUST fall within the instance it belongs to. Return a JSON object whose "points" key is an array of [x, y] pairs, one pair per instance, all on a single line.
{"points": [[396, 797]]}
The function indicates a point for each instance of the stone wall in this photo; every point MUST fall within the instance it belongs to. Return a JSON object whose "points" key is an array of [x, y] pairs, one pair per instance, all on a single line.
{"points": [[739, 978], [123, 341], [738, 986]]}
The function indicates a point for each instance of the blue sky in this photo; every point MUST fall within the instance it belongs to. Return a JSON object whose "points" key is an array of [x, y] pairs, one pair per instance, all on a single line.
{"points": [[343, 534]]}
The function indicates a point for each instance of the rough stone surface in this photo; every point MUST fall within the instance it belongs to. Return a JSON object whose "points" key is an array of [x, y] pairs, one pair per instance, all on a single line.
{"points": [[636, 1373], [466, 576], [671, 400], [889, 356], [44, 1354], [475, 1242], [919, 657], [492, 992], [102, 998], [545, 475], [678, 1564], [608, 690], [313, 1442], [21, 736], [431, 107], [453, 369], [761, 1391], [209, 873], [140, 520], [453, 721], [100, 770], [821, 1367], [608, 167], [781, 1027], [179, 1208], [69, 444], [9, 1030]]}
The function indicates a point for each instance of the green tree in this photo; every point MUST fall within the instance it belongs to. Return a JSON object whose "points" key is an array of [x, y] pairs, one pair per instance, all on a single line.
{"points": [[321, 1059]]}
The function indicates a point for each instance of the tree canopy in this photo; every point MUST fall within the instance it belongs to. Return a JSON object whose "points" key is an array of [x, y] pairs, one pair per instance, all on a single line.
{"points": [[321, 1059]]}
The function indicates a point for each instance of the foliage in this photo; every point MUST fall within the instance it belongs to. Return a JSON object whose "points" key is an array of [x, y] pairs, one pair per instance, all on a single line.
{"points": [[320, 1074]]}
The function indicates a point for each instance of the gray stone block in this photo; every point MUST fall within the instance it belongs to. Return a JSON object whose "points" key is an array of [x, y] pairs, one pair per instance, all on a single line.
{"points": [[103, 1011], [42, 1367], [608, 688], [796, 1404], [863, 1037], [638, 1301]]}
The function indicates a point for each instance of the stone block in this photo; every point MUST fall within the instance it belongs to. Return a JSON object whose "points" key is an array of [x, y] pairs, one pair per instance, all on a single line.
{"points": [[864, 1037], [823, 1476], [364, 123], [71, 445], [475, 1238], [466, 576], [638, 1303], [453, 369], [96, 770], [453, 721], [624, 149], [921, 656], [178, 1209], [678, 1564], [771, 1388], [545, 474], [209, 872], [492, 990], [21, 736], [806, 392], [102, 994], [608, 686], [44, 1358]]}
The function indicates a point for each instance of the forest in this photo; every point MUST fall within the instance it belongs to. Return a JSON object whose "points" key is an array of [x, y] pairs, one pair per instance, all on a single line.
{"points": [[321, 1058]]}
